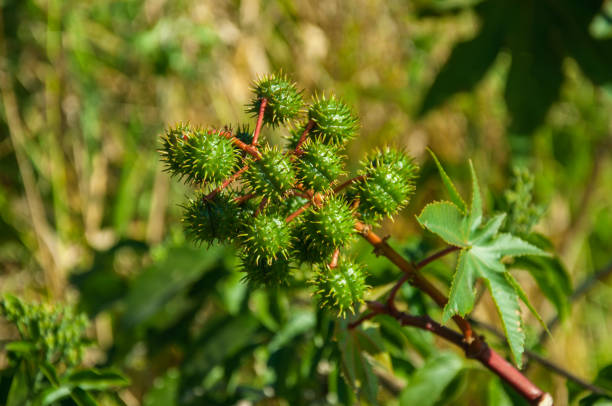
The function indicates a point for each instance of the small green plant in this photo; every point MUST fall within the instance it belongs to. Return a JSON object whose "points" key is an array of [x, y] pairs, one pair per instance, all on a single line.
{"points": [[292, 210], [44, 364]]}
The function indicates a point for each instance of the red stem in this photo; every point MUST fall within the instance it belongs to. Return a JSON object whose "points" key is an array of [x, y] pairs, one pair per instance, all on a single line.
{"points": [[260, 116], [348, 183], [420, 265], [261, 206], [226, 183], [477, 350], [245, 198], [299, 211], [334, 261], [251, 150], [298, 146]]}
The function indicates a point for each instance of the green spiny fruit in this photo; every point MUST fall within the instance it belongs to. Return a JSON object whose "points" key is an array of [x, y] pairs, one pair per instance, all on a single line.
{"points": [[295, 133], [266, 238], [291, 204], [284, 101], [319, 165], [341, 288], [198, 155], [389, 182], [271, 175], [211, 220], [334, 121], [307, 249], [331, 225], [244, 133], [262, 273]]}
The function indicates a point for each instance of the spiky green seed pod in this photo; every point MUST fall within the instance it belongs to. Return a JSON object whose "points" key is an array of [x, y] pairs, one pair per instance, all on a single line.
{"points": [[331, 225], [275, 274], [291, 204], [388, 184], [207, 221], [266, 238], [272, 175], [198, 155], [284, 101], [319, 165], [295, 133], [244, 133], [307, 249], [341, 288], [334, 121]]}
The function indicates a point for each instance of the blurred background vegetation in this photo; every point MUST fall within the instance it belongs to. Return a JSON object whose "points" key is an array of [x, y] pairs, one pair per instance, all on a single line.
{"points": [[88, 217]]}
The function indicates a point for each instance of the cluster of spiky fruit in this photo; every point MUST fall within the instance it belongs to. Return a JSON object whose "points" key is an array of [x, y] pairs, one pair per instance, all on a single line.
{"points": [[285, 207]]}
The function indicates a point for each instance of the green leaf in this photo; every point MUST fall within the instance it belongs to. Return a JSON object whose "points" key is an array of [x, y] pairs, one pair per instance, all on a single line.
{"points": [[446, 220], [596, 400], [49, 371], [22, 347], [496, 394], [475, 218], [82, 398], [51, 395], [480, 258], [552, 279], [536, 74], [156, 285], [509, 245], [509, 311], [165, 390], [426, 385], [469, 60], [93, 379], [521, 293], [455, 197], [461, 296], [355, 365], [20, 387], [299, 323]]}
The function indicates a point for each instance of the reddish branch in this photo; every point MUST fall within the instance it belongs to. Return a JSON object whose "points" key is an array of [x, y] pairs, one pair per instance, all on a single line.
{"points": [[260, 116], [251, 150], [477, 350], [348, 183], [226, 183], [299, 211], [474, 346], [261, 206], [298, 146], [241, 199], [334, 261], [414, 277]]}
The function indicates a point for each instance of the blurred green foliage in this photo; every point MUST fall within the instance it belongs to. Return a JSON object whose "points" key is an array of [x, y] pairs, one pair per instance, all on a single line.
{"points": [[87, 215]]}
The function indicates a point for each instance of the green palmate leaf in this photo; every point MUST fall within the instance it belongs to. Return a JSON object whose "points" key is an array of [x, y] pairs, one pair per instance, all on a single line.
{"points": [[483, 247], [446, 220], [455, 197], [507, 303], [519, 290]]}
